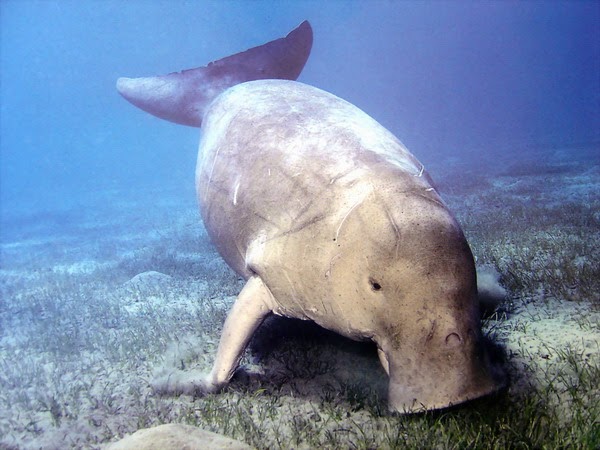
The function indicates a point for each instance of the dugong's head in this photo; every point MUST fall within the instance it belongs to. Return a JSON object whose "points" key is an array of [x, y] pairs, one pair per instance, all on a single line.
{"points": [[413, 290]]}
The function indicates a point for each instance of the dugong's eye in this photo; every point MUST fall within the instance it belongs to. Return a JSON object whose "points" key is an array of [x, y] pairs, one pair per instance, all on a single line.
{"points": [[374, 284]]}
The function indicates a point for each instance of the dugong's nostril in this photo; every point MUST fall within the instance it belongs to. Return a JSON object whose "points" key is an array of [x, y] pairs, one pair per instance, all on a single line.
{"points": [[453, 339]]}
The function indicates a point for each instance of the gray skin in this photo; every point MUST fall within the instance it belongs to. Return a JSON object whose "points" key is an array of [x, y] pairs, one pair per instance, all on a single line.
{"points": [[331, 219]]}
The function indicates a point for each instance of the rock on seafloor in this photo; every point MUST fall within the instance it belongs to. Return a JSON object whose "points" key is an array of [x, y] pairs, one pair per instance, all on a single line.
{"points": [[175, 436], [148, 281]]}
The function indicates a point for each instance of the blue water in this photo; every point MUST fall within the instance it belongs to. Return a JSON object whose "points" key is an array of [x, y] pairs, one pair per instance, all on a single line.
{"points": [[501, 96], [458, 79]]}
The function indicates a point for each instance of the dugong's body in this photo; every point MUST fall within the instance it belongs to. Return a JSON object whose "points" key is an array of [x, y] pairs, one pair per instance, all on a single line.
{"points": [[333, 220], [330, 218]]}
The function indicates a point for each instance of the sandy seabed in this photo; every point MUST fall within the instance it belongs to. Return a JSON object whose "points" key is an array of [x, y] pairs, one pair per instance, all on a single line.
{"points": [[98, 300]]}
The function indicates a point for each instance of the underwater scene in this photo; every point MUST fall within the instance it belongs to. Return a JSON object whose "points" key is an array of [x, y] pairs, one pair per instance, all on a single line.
{"points": [[299, 224]]}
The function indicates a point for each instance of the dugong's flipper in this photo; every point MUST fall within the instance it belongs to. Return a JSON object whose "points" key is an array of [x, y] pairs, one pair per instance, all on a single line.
{"points": [[252, 306], [182, 97]]}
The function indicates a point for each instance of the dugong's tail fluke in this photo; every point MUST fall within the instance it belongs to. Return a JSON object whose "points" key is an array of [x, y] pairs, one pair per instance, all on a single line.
{"points": [[182, 97]]}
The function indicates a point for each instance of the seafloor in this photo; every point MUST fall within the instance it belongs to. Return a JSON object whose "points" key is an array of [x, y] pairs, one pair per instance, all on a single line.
{"points": [[98, 298]]}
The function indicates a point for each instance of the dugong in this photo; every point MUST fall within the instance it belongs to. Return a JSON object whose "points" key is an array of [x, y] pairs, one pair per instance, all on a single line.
{"points": [[329, 218]]}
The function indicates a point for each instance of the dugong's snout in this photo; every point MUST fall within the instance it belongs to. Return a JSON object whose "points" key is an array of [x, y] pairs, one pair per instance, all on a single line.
{"points": [[458, 370]]}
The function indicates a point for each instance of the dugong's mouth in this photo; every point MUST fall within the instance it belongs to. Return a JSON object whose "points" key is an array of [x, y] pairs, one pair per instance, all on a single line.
{"points": [[438, 383], [405, 399]]}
